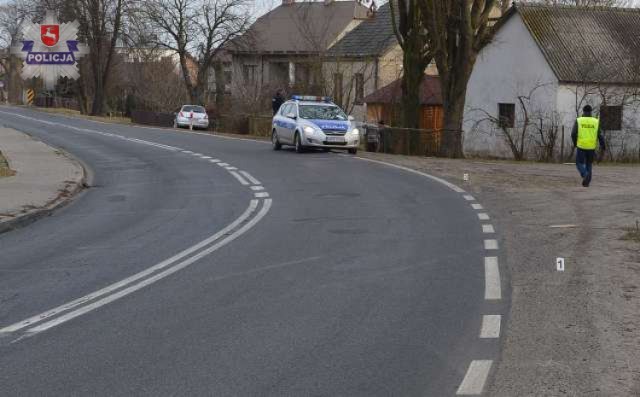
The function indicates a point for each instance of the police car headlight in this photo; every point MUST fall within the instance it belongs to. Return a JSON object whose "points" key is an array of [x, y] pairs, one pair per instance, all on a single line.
{"points": [[309, 130], [355, 131]]}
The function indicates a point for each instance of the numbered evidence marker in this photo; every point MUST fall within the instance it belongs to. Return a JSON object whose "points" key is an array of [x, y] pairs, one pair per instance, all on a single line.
{"points": [[560, 264], [465, 177]]}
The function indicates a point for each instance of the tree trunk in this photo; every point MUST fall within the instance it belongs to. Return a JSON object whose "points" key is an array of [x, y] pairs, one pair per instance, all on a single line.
{"points": [[15, 85], [454, 92], [98, 106], [186, 75], [451, 145], [413, 73], [220, 85]]}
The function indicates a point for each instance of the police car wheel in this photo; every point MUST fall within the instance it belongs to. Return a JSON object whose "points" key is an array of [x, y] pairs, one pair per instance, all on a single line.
{"points": [[298, 143], [275, 141]]}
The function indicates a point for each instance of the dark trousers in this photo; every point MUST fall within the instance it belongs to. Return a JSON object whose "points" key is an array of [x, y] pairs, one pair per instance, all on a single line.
{"points": [[584, 162]]}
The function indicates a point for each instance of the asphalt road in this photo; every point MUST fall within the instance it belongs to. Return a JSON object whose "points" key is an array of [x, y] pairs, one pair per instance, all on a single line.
{"points": [[343, 278]]}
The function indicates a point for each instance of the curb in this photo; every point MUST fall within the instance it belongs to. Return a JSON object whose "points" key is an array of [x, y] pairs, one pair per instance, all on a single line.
{"points": [[71, 190]]}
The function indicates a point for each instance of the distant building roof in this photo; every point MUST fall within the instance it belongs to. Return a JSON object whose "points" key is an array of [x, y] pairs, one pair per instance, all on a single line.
{"points": [[372, 37], [299, 27], [586, 44], [430, 93]]}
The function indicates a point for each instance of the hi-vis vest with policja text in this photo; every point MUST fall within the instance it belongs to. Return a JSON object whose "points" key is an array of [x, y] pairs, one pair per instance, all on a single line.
{"points": [[587, 133]]}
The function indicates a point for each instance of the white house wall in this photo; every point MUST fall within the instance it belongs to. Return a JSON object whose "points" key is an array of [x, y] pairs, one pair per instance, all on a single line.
{"points": [[622, 144], [511, 66]]}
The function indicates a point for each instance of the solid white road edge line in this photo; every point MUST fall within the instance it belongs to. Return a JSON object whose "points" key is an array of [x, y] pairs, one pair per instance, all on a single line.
{"points": [[435, 178], [490, 326], [492, 289], [474, 380], [251, 179], [77, 302], [113, 297], [239, 178]]}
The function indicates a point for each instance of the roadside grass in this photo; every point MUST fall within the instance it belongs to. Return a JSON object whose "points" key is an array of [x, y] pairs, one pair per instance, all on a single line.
{"points": [[632, 233], [77, 114], [4, 167]]}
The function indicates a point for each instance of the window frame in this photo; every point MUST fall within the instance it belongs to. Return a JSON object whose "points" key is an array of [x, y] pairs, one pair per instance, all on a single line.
{"points": [[615, 124], [508, 120]]}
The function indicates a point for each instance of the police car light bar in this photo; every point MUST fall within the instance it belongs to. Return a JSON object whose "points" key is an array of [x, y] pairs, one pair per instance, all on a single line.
{"points": [[311, 98]]}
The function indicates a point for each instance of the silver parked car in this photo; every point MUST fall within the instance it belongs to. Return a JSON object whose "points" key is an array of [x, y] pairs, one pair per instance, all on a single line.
{"points": [[313, 122], [191, 116]]}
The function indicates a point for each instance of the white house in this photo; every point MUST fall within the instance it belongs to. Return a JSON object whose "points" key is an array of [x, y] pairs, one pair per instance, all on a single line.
{"points": [[544, 64]]}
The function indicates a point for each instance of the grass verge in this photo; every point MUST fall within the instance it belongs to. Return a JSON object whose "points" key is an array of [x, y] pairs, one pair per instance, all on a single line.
{"points": [[632, 233], [4, 167], [75, 113]]}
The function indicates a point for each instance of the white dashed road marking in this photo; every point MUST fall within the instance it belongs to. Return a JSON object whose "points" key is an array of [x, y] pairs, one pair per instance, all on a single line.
{"points": [[477, 206], [483, 217], [476, 376], [488, 229], [468, 197], [261, 194], [257, 187], [492, 289], [491, 244], [490, 326]]}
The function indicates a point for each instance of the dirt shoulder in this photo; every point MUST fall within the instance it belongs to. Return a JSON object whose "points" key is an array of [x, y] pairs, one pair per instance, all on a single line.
{"points": [[571, 333]]}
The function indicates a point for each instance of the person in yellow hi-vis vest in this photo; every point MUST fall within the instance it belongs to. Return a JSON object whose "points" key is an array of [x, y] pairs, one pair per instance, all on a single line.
{"points": [[586, 136]]}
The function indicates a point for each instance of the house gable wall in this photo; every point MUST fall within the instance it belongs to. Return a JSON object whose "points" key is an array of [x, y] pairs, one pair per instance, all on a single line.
{"points": [[511, 66]]}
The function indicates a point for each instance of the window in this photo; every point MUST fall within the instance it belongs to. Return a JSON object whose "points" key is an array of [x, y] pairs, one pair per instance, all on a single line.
{"points": [[611, 118], [249, 73], [506, 115], [337, 88], [359, 88], [320, 112], [285, 109]]}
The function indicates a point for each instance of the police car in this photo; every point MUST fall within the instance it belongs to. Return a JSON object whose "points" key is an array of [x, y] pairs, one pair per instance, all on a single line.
{"points": [[313, 122]]}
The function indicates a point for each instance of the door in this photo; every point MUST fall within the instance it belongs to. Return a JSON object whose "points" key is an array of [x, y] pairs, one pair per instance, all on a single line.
{"points": [[288, 123]]}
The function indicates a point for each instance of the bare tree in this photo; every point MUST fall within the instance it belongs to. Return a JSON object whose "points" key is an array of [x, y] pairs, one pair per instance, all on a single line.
{"points": [[101, 25], [407, 18], [457, 31], [202, 27], [12, 15], [529, 123]]}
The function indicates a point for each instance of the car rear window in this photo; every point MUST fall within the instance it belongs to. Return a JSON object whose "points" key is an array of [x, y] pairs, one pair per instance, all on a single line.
{"points": [[194, 109]]}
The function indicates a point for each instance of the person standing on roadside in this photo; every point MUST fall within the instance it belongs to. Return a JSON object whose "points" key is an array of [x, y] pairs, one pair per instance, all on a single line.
{"points": [[586, 135], [277, 101]]}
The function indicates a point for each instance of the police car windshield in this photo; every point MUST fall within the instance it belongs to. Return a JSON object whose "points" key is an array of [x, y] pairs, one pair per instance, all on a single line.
{"points": [[321, 112], [194, 109]]}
